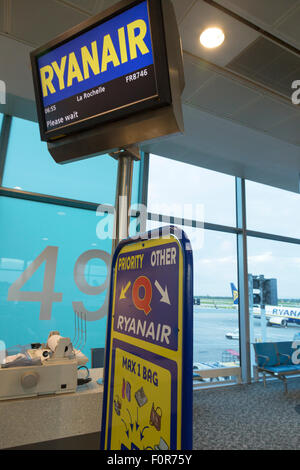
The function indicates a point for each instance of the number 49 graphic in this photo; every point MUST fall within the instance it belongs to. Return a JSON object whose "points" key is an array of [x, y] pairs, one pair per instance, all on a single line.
{"points": [[48, 296]]}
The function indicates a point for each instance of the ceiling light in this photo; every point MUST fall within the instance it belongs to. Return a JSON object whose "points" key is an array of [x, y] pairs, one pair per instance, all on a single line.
{"points": [[212, 37]]}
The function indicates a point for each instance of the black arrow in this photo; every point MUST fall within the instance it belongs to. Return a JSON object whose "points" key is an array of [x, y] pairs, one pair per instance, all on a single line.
{"points": [[127, 431], [137, 420], [142, 435], [131, 423]]}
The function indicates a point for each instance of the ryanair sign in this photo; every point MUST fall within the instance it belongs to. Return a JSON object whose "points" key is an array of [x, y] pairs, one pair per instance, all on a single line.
{"points": [[110, 50], [107, 67], [113, 81]]}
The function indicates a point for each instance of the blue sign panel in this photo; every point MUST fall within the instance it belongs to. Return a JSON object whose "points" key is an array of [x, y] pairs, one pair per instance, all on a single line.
{"points": [[162, 264], [104, 68], [148, 372]]}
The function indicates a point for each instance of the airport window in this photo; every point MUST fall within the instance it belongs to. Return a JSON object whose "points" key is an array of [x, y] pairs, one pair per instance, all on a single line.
{"points": [[272, 210], [216, 322], [46, 241], [182, 190], [30, 167], [216, 317], [280, 319], [274, 268]]}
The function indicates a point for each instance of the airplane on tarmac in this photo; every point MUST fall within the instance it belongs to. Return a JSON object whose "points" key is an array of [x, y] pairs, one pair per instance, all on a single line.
{"points": [[275, 314]]}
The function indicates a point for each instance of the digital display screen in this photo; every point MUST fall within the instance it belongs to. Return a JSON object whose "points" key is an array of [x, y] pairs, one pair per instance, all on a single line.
{"points": [[106, 68]]}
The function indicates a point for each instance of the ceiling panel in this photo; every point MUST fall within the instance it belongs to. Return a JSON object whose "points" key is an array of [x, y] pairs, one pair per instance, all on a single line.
{"points": [[109, 3], [182, 7], [201, 16], [289, 131], [266, 11], [222, 145], [90, 6], [2, 13], [277, 17], [16, 68], [196, 74], [282, 71], [269, 64], [223, 96], [38, 25], [255, 57], [265, 113], [290, 27]]}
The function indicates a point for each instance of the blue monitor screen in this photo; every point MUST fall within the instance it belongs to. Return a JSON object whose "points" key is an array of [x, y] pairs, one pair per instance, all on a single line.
{"points": [[103, 69]]}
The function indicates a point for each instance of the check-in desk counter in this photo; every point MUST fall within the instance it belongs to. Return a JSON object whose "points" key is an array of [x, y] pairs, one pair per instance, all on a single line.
{"points": [[66, 421]]}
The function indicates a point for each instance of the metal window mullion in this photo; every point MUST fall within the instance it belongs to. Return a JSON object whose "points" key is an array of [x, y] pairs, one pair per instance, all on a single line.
{"points": [[273, 237], [143, 179], [143, 192], [58, 201], [4, 138], [244, 319], [191, 223]]}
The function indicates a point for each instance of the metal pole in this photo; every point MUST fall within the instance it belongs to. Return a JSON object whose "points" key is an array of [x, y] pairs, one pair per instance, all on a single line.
{"points": [[4, 139], [263, 320], [123, 196], [244, 320], [125, 159], [143, 192]]}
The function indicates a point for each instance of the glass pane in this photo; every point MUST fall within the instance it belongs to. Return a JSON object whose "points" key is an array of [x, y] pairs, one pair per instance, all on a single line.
{"points": [[279, 321], [216, 334], [216, 318], [135, 183], [1, 119], [30, 167], [51, 243], [272, 210], [182, 190]]}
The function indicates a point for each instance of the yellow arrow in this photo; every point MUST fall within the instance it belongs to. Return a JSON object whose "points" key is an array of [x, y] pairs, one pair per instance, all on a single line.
{"points": [[124, 290]]}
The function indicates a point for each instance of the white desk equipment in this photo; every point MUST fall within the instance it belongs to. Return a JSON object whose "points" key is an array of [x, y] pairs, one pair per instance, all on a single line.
{"points": [[40, 369]]}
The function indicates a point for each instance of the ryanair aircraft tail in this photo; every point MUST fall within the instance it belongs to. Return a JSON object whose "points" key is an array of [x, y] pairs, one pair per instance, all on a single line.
{"points": [[235, 294], [275, 315]]}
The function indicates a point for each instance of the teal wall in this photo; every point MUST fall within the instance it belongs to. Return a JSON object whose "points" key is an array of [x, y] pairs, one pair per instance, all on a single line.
{"points": [[61, 234]]}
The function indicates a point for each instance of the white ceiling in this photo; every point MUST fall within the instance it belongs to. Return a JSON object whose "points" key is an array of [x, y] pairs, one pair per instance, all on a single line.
{"points": [[238, 113], [279, 17]]}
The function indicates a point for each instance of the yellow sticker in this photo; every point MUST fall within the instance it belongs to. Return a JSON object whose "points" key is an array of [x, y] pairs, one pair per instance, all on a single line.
{"points": [[141, 412]]}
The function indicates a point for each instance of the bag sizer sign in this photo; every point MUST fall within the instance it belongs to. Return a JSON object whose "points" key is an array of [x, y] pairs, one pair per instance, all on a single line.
{"points": [[148, 381]]}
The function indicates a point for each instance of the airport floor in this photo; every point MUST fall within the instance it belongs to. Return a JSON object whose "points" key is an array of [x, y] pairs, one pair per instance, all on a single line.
{"points": [[248, 417]]}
